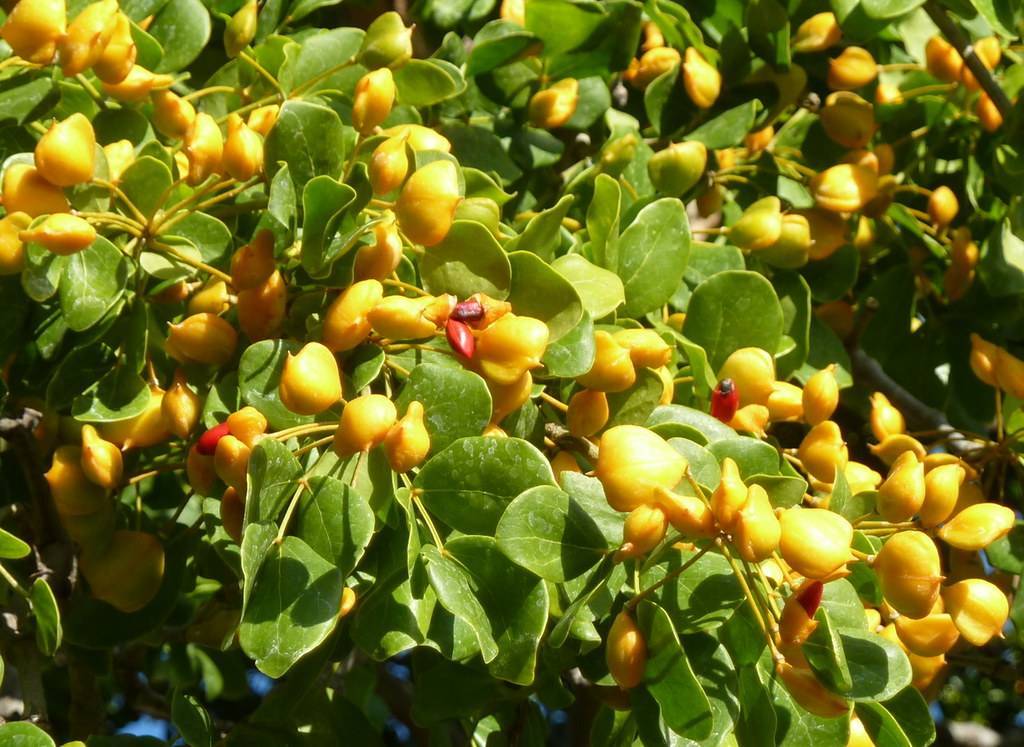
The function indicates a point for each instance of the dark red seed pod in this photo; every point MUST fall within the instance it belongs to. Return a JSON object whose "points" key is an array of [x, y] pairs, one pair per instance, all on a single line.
{"points": [[460, 337], [809, 597], [469, 310], [725, 400], [207, 443]]}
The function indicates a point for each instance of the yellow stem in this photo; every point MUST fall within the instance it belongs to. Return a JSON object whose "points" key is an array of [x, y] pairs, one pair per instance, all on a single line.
{"points": [[209, 90], [243, 55], [185, 259], [554, 402]]}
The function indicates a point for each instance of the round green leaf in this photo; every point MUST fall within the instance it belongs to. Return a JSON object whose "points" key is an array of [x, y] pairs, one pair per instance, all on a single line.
{"points": [[456, 402], [182, 28], [653, 252], [92, 282], [11, 547], [468, 261], [600, 290], [259, 373], [47, 615], [335, 521], [540, 292]]}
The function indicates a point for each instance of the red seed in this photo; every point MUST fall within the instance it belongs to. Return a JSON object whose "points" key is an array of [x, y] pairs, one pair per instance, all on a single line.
{"points": [[470, 310], [460, 337], [207, 443], [810, 597], [725, 400]]}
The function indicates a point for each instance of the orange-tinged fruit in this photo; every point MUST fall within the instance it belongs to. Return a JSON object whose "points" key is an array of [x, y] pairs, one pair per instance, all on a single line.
{"points": [[943, 206], [861, 477], [729, 497], [902, 494], [792, 249], [127, 573], [891, 447], [144, 430], [983, 359], [933, 635], [626, 652], [943, 60], [848, 119], [247, 425], [181, 407], [119, 55], [885, 419], [120, 154], [821, 395], [553, 106], [420, 137], [204, 148], [587, 413], [756, 531], [853, 68], [347, 603], [232, 513], [407, 442], [511, 346], [137, 85], [212, 298], [823, 451], [87, 36], [978, 608], [1009, 372], [797, 620], [253, 264], [652, 63], [809, 693], [65, 155], [231, 460], [74, 494], [387, 43], [204, 338], [564, 461], [200, 472], [653, 37], [785, 402], [261, 310], [26, 191], [752, 370], [646, 347], [507, 398], [12, 249], [242, 155], [613, 369], [61, 233], [310, 380], [688, 515], [701, 79], [402, 318], [815, 542], [241, 29], [426, 206], [346, 323], [760, 225], [828, 233], [751, 419], [757, 141], [978, 526], [942, 488], [909, 571], [378, 260], [374, 97], [33, 28], [818, 33], [989, 114], [633, 462], [262, 119], [844, 188], [644, 528], [365, 422], [102, 462]]}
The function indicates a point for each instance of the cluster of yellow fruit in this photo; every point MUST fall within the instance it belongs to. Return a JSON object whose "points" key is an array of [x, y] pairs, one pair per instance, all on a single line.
{"points": [[923, 497]]}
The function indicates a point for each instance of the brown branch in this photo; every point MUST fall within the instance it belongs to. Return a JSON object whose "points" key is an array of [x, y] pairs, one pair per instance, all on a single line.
{"points": [[565, 440]]}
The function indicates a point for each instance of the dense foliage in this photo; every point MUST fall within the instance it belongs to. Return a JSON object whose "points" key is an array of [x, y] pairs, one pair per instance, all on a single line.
{"points": [[608, 372]]}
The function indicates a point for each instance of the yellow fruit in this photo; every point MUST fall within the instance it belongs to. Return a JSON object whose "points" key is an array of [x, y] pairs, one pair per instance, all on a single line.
{"points": [[888, 94], [213, 298], [507, 398], [204, 338], [902, 494], [204, 147], [120, 154], [848, 119], [242, 156], [844, 188], [646, 347], [729, 497], [200, 472], [943, 206], [310, 380], [978, 608], [407, 442], [1009, 373], [652, 63], [644, 528], [815, 542], [757, 141], [613, 369], [564, 461], [511, 346], [668, 386], [853, 68], [253, 263], [983, 358], [989, 51], [118, 57], [677, 168], [513, 11], [633, 462], [751, 419], [420, 137], [33, 28], [262, 119], [809, 693], [231, 460], [978, 526], [402, 318], [859, 736], [144, 430], [241, 29], [933, 635], [792, 248], [701, 79], [388, 43], [817, 33], [886, 420], [797, 622], [87, 36], [688, 515], [66, 154], [910, 574], [756, 531], [426, 206], [785, 402], [893, 446], [760, 225], [752, 371], [232, 513], [137, 85], [823, 451], [61, 233], [73, 493], [181, 407], [943, 60], [374, 97], [861, 478], [261, 310], [365, 422], [555, 105], [587, 413], [989, 114], [942, 488], [12, 249], [828, 233], [247, 425], [26, 191], [101, 460], [346, 323], [821, 396], [626, 652], [128, 572], [347, 603], [378, 260]]}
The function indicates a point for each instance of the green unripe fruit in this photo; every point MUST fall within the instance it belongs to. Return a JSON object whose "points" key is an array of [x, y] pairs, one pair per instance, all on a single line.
{"points": [[677, 168], [388, 43], [483, 210]]}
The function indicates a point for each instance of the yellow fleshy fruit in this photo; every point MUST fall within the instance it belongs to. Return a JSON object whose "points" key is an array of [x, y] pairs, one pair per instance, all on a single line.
{"points": [[247, 425], [989, 114], [387, 43], [677, 168], [760, 225], [978, 608], [66, 154], [12, 249], [378, 260], [942, 488], [1009, 372], [688, 515], [137, 85], [263, 118], [587, 413], [127, 573], [613, 369], [903, 493], [564, 461], [212, 298], [204, 338], [119, 55], [785, 402], [943, 60], [757, 141], [253, 264], [87, 36], [893, 446], [861, 478], [815, 542], [261, 310], [120, 154], [821, 395], [426, 206], [242, 156], [796, 623], [420, 137], [978, 526], [511, 346], [144, 430], [202, 477], [61, 233], [644, 528], [848, 119], [943, 206], [310, 380], [26, 191], [823, 451], [633, 462], [909, 571], [407, 442], [792, 248], [346, 323], [853, 68], [844, 188], [752, 371], [982, 359], [204, 148], [553, 106], [989, 51], [646, 347], [365, 422], [507, 398], [818, 33], [933, 635], [241, 29], [701, 79], [402, 318], [33, 28], [729, 497], [74, 494], [809, 693], [751, 419], [859, 736], [232, 513], [652, 63], [828, 232], [231, 461], [374, 97], [181, 407], [626, 652], [102, 462], [886, 420], [756, 531]]}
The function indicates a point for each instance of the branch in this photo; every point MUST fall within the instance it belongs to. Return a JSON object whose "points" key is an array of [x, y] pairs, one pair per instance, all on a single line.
{"points": [[565, 440], [956, 37]]}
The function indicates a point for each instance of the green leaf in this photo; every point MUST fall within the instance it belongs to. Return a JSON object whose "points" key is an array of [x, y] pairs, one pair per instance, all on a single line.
{"points": [[322, 61], [497, 43], [43, 270], [1006, 553], [476, 147], [831, 278], [603, 216], [47, 615], [635, 405], [752, 456], [182, 27], [653, 251], [825, 653], [24, 734], [795, 299], [335, 521], [310, 138], [293, 608], [797, 727], [881, 726], [11, 547], [708, 429], [758, 720], [324, 201], [670, 679], [1002, 263], [470, 483], [303, 8], [428, 82], [539, 291], [600, 290], [92, 282], [572, 354], [257, 539], [768, 31], [119, 395], [887, 9], [207, 234], [273, 474], [191, 719], [844, 606], [878, 667], [259, 373], [703, 597], [732, 310], [549, 533], [469, 260], [28, 101], [728, 128], [456, 403], [910, 711], [543, 233]]}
